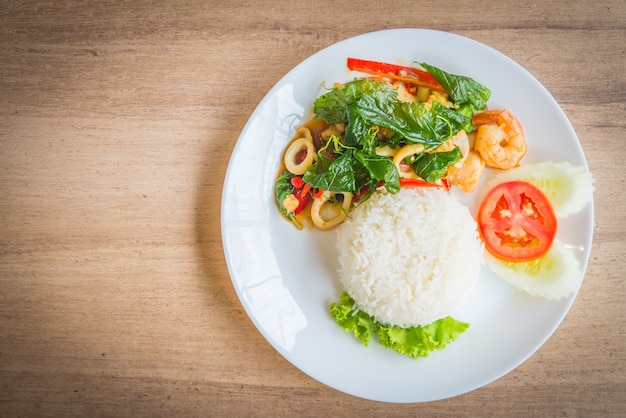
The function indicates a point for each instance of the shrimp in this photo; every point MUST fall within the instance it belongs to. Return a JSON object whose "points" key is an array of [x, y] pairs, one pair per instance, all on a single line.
{"points": [[467, 177], [500, 139]]}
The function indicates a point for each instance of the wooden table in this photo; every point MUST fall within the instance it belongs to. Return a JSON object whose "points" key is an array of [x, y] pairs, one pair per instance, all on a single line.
{"points": [[117, 120]]}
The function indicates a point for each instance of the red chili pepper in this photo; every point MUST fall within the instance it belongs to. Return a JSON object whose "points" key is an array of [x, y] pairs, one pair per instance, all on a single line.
{"points": [[317, 193], [301, 193], [297, 182], [301, 156], [407, 74], [303, 198], [361, 193], [411, 89], [420, 183]]}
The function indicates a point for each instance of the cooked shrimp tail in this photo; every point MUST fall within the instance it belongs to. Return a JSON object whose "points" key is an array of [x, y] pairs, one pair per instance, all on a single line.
{"points": [[500, 139], [467, 177]]}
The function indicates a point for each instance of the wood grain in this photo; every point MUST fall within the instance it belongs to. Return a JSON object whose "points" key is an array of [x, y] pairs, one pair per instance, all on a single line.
{"points": [[117, 120]]}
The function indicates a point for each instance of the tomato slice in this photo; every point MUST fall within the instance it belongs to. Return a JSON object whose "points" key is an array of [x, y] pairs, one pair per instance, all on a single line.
{"points": [[517, 222]]}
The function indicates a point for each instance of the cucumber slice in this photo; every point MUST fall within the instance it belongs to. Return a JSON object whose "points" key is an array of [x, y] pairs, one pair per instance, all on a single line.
{"points": [[554, 276], [568, 187]]}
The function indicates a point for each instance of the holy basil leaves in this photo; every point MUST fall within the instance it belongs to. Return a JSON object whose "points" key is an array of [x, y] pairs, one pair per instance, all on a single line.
{"points": [[364, 106], [433, 166], [463, 90], [282, 189], [350, 170], [363, 103]]}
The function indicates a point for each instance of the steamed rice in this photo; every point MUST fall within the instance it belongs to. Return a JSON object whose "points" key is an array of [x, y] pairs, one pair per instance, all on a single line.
{"points": [[409, 258]]}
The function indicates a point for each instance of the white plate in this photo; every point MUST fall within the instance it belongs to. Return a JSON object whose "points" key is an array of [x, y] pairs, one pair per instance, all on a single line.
{"points": [[287, 278]]}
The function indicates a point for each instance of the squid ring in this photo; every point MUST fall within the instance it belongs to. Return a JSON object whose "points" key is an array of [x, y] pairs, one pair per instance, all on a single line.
{"points": [[317, 207], [292, 153], [305, 132], [406, 151]]}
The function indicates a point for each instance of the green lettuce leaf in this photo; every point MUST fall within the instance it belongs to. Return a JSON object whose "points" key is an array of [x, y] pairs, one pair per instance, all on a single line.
{"points": [[421, 341], [356, 322], [412, 342]]}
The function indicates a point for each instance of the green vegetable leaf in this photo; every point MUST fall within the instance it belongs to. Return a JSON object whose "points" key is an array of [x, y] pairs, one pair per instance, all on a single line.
{"points": [[366, 102], [414, 121], [413, 342], [467, 111], [433, 166], [336, 175], [455, 120], [283, 188], [352, 320], [421, 341], [380, 168], [462, 89], [336, 105]]}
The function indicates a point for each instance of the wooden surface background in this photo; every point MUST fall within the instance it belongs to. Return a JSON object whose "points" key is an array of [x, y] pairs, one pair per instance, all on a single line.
{"points": [[117, 120]]}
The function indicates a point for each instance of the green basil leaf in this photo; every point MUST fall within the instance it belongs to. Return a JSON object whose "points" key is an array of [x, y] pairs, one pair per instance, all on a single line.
{"points": [[467, 112], [283, 188], [414, 121], [433, 166], [461, 89], [335, 106], [334, 175], [380, 168]]}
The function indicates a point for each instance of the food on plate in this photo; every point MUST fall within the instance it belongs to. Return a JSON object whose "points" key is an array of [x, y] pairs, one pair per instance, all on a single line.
{"points": [[500, 139], [409, 258], [466, 177], [418, 341], [399, 127], [407, 261], [377, 161], [516, 221], [411, 77], [554, 276], [568, 187], [551, 272]]}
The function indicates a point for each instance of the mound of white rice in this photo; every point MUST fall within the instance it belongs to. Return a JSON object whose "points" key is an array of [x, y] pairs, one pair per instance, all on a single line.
{"points": [[409, 258]]}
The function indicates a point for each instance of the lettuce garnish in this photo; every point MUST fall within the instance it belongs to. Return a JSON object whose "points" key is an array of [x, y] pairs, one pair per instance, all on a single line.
{"points": [[413, 342]]}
